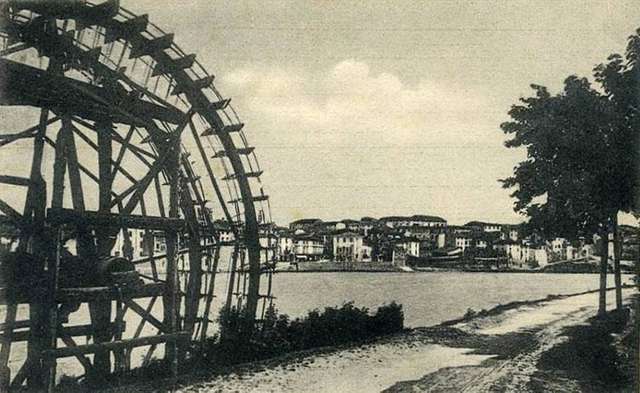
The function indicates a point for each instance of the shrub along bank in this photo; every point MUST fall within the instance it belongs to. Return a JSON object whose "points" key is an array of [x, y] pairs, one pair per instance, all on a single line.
{"points": [[279, 334]]}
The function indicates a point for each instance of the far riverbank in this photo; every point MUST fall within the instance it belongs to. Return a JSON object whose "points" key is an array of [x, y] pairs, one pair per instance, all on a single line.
{"points": [[389, 267]]}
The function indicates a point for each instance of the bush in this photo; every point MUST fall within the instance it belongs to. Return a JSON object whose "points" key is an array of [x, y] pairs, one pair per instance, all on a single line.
{"points": [[240, 342]]}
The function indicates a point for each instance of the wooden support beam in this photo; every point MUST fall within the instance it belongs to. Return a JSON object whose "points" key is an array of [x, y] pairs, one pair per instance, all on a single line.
{"points": [[33, 240], [234, 176], [224, 129], [193, 85], [241, 151], [137, 151], [30, 132], [69, 95], [108, 293], [175, 65], [125, 29], [11, 213], [210, 294], [144, 47], [82, 168], [66, 331], [5, 351], [112, 220], [159, 165], [110, 346], [146, 315], [86, 363], [59, 170], [123, 150], [219, 105], [15, 180], [49, 303], [117, 167], [212, 177], [255, 198], [170, 296], [138, 331]]}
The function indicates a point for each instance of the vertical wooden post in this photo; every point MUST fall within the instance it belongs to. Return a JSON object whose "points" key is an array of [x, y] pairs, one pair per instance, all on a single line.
{"points": [[194, 283], [52, 336], [49, 305], [170, 295], [101, 309], [212, 271], [31, 241]]}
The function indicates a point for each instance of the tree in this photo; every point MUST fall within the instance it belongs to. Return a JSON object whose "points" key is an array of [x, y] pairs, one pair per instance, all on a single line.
{"points": [[563, 184], [620, 80]]}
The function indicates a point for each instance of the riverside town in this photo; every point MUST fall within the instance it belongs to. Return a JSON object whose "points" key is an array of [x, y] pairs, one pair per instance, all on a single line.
{"points": [[420, 242], [319, 196]]}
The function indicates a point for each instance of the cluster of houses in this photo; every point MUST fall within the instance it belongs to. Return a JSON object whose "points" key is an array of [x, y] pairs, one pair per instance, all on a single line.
{"points": [[422, 238]]}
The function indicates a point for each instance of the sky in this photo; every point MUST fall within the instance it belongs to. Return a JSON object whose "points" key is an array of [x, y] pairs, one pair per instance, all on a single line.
{"points": [[389, 107]]}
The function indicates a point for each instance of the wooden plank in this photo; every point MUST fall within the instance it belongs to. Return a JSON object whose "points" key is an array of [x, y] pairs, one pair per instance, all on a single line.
{"points": [[212, 178], [172, 148], [113, 345], [108, 293], [28, 133], [86, 363], [59, 216], [69, 331], [35, 206], [95, 147], [15, 180], [5, 351], [123, 150], [13, 215], [146, 315]]}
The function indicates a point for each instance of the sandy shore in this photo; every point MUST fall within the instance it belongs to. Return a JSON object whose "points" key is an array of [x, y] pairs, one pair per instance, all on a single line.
{"points": [[497, 352]]}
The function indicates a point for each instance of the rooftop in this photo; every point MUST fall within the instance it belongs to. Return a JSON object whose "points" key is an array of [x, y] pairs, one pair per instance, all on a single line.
{"points": [[415, 217], [307, 221]]}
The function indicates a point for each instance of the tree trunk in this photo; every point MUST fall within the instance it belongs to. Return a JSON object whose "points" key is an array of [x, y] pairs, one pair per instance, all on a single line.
{"points": [[604, 256], [617, 251]]}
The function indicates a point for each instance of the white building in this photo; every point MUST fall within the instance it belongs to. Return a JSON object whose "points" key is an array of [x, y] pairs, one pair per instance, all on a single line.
{"points": [[463, 241], [411, 246], [415, 220], [308, 247], [348, 246], [484, 226], [285, 246]]}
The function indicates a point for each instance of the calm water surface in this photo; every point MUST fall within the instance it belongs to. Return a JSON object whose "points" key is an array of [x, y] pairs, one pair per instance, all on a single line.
{"points": [[427, 298]]}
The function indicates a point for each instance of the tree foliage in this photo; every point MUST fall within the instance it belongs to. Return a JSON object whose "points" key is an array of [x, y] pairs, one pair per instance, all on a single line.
{"points": [[566, 140], [620, 81], [582, 149]]}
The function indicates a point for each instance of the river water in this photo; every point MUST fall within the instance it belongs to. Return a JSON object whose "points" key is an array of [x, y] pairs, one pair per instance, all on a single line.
{"points": [[427, 298]]}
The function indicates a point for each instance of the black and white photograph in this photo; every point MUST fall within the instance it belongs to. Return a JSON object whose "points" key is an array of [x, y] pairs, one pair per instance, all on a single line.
{"points": [[332, 196]]}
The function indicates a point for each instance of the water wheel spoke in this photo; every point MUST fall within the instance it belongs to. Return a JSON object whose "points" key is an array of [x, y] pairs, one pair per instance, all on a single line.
{"points": [[109, 97]]}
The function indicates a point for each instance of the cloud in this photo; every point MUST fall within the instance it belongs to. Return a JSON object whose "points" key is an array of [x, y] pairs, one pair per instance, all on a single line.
{"points": [[348, 141], [349, 102]]}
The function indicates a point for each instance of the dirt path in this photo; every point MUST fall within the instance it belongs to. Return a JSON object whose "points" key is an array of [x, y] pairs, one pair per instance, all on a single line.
{"points": [[544, 324], [496, 353]]}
